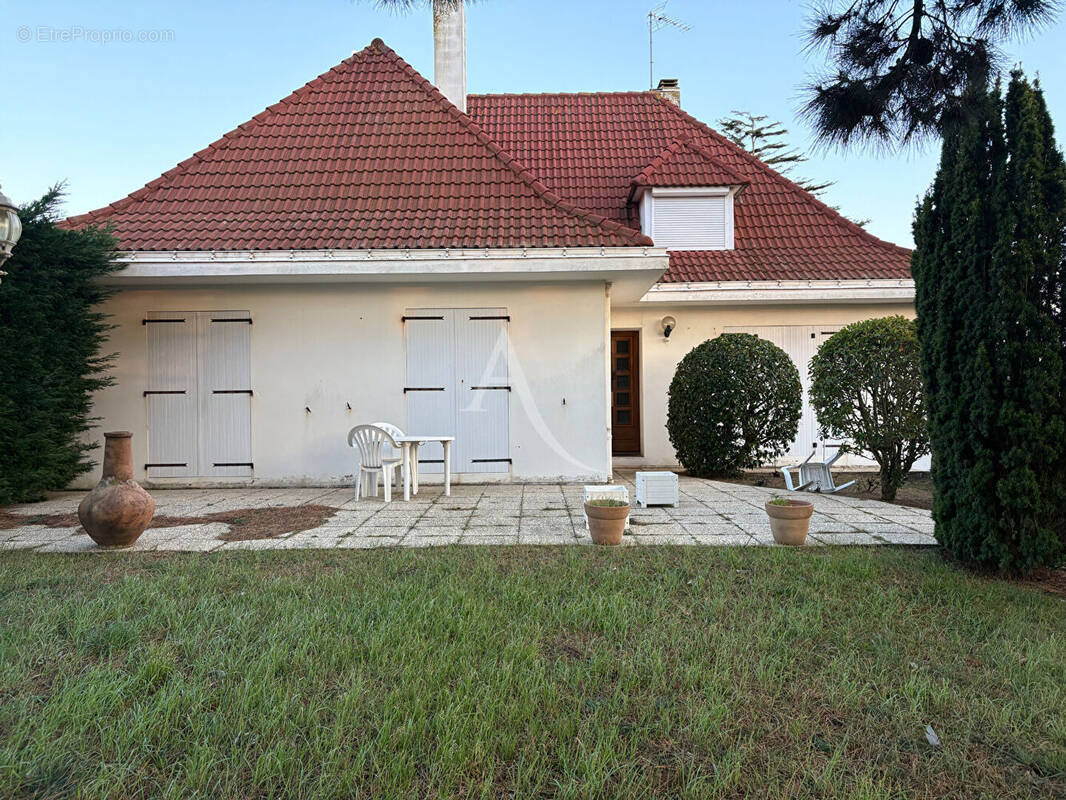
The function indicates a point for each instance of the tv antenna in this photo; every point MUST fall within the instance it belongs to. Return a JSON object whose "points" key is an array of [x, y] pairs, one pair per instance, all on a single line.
{"points": [[657, 20]]}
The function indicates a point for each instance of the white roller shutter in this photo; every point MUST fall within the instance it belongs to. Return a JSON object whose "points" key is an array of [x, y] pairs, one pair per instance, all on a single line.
{"points": [[690, 222]]}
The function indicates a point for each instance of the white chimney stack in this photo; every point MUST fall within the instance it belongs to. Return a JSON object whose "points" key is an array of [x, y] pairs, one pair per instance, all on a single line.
{"points": [[449, 50]]}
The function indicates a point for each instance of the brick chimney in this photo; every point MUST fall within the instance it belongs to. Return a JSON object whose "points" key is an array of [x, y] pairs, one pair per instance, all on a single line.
{"points": [[670, 89], [449, 50]]}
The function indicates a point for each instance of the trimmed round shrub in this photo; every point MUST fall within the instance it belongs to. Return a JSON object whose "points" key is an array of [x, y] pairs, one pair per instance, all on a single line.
{"points": [[866, 386], [735, 404]]}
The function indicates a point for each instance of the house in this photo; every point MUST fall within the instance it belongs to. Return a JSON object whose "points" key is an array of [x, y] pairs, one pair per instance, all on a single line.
{"points": [[521, 271]]}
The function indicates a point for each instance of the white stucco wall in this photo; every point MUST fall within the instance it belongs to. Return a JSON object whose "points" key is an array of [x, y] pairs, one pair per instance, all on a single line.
{"points": [[660, 356], [323, 346]]}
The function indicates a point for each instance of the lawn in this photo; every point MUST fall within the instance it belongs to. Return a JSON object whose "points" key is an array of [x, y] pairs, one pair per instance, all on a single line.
{"points": [[527, 672]]}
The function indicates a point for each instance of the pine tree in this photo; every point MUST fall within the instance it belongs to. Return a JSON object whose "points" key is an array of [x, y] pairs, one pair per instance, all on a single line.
{"points": [[989, 266], [897, 71], [50, 341], [767, 142]]}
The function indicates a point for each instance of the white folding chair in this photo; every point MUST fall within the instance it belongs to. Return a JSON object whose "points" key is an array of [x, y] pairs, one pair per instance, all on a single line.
{"points": [[370, 441]]}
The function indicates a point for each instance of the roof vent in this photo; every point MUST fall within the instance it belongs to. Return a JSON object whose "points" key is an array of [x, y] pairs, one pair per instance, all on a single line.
{"points": [[670, 89]]}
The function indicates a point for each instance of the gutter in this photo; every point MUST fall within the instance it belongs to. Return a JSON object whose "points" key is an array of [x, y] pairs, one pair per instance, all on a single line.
{"points": [[632, 270], [810, 292]]}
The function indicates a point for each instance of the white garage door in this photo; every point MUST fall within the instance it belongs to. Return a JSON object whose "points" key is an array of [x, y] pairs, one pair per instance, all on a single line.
{"points": [[199, 394], [458, 385], [801, 342]]}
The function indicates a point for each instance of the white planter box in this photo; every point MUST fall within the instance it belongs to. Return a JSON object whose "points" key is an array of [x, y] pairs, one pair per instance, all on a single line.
{"points": [[657, 489]]}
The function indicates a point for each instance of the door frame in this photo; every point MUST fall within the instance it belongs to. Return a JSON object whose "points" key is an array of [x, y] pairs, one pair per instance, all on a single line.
{"points": [[638, 395]]}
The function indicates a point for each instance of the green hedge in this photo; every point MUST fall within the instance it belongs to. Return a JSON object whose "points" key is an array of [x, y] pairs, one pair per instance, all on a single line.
{"points": [[50, 342], [735, 403], [866, 386], [989, 268]]}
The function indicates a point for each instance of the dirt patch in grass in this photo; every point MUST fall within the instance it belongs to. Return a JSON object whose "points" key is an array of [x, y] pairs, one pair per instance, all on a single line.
{"points": [[917, 492], [244, 523], [1052, 581], [566, 646], [9, 521], [256, 523]]}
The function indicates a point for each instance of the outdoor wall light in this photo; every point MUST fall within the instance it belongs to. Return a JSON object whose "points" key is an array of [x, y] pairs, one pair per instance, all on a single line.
{"points": [[668, 323], [10, 229]]}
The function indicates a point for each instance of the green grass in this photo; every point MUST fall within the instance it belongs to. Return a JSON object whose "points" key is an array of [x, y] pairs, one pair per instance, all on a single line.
{"points": [[524, 672]]}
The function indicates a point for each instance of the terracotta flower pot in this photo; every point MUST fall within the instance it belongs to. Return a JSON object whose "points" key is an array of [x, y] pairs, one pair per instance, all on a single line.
{"points": [[606, 523], [117, 510], [790, 523]]}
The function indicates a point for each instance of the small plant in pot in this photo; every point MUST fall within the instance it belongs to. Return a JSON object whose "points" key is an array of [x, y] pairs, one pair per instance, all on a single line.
{"points": [[607, 520], [789, 519]]}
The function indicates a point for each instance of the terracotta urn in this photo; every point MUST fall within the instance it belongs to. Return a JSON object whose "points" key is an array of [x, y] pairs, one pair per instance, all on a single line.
{"points": [[606, 523], [117, 510], [790, 523]]}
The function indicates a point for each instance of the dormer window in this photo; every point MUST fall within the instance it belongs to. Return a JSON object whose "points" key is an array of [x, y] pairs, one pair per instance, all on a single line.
{"points": [[686, 198], [688, 218]]}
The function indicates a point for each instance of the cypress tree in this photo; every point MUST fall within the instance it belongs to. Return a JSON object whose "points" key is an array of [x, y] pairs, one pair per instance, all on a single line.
{"points": [[50, 350], [988, 267]]}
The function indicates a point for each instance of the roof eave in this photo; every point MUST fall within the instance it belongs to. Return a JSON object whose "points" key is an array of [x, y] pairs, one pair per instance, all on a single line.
{"points": [[783, 292]]}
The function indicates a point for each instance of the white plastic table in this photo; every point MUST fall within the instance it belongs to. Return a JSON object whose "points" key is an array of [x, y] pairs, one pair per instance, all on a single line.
{"points": [[410, 444]]}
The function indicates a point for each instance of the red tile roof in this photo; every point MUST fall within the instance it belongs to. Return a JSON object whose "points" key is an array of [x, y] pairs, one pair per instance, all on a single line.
{"points": [[685, 163], [367, 155], [590, 147]]}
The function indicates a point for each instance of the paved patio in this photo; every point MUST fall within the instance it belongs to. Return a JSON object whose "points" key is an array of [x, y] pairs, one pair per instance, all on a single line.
{"points": [[710, 513]]}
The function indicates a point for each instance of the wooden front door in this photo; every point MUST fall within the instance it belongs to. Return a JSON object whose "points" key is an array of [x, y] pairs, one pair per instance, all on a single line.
{"points": [[625, 392]]}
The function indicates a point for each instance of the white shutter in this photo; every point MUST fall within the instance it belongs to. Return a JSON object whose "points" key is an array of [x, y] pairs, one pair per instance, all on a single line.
{"points": [[690, 222], [171, 395], [482, 443], [430, 385], [225, 394]]}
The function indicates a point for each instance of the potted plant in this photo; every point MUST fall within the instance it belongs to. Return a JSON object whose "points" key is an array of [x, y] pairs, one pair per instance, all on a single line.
{"points": [[607, 520], [789, 519]]}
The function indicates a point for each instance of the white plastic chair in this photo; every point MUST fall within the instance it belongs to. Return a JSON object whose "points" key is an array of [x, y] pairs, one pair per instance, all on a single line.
{"points": [[370, 440], [393, 431], [814, 476]]}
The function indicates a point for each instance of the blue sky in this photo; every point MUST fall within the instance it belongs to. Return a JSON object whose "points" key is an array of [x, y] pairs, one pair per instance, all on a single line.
{"points": [[109, 116]]}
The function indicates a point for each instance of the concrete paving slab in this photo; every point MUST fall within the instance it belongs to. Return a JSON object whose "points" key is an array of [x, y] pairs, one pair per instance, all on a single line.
{"points": [[710, 513]]}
